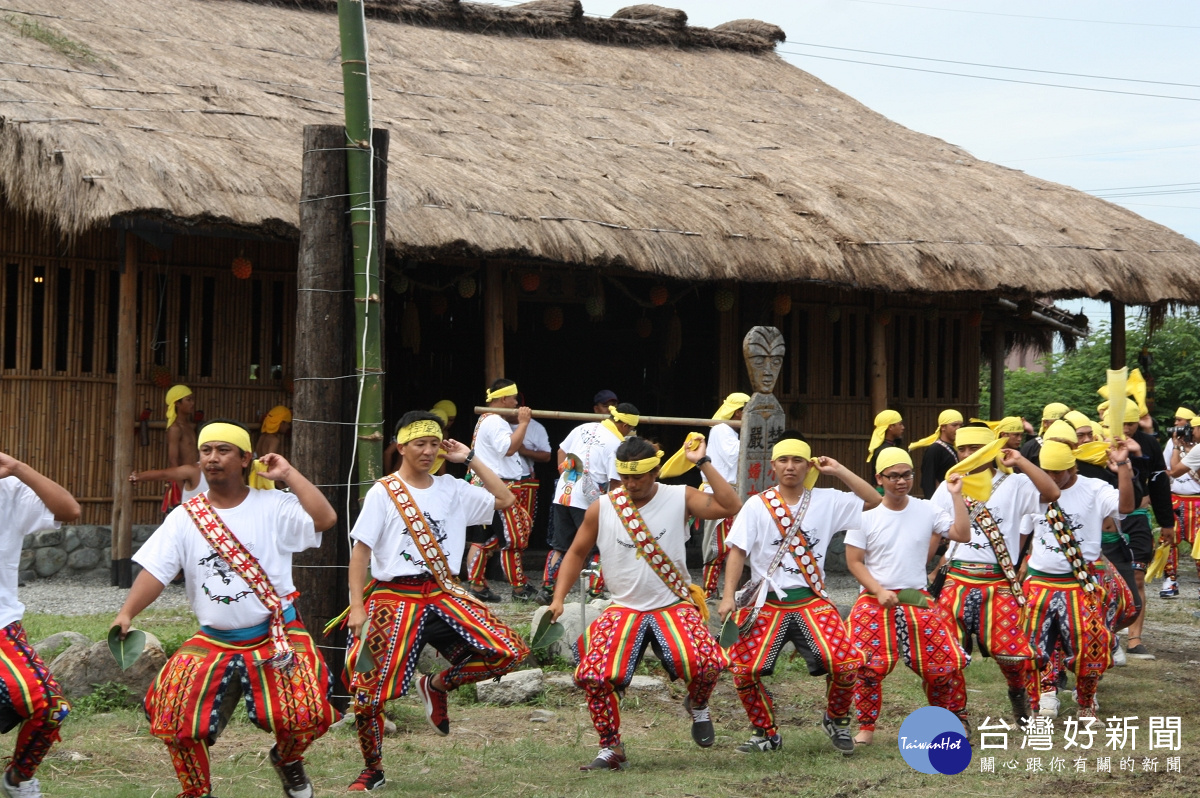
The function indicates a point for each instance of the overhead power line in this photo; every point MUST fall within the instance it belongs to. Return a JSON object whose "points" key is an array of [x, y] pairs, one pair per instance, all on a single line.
{"points": [[1031, 16], [1131, 188]]}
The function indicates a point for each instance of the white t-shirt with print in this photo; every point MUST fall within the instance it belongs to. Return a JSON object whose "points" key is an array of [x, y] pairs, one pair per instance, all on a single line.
{"points": [[596, 447], [24, 513], [896, 542], [536, 440], [449, 505], [270, 523], [755, 532], [1086, 504], [493, 436], [724, 447], [1013, 505], [628, 577], [1185, 485]]}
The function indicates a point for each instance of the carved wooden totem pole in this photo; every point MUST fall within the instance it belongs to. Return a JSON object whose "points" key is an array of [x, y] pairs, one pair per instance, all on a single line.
{"points": [[763, 419]]}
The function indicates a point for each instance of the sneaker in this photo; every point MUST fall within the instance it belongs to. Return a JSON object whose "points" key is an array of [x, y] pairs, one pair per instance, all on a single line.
{"points": [[1139, 652], [369, 779], [702, 727], [760, 742], [1048, 705], [295, 780], [1118, 656], [838, 730], [608, 759], [26, 789], [1170, 588], [435, 705], [529, 593], [485, 594], [1019, 700]]}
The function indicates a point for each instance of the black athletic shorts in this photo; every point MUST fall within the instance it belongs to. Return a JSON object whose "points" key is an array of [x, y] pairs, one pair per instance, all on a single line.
{"points": [[1141, 540], [564, 523], [1118, 554]]}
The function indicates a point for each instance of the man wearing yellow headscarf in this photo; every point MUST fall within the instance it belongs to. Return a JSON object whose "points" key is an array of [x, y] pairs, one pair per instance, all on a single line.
{"points": [[895, 617], [1050, 413], [498, 446], [641, 528], [1065, 607], [889, 429], [983, 597], [235, 548], [939, 451], [181, 439], [1185, 496], [790, 602], [275, 424]]}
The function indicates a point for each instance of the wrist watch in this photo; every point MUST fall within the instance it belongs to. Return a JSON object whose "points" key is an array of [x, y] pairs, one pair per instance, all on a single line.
{"points": [[470, 456], [703, 460]]}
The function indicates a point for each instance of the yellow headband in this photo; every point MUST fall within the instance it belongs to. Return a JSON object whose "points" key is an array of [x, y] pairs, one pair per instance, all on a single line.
{"points": [[1008, 424], [797, 448], [893, 455], [1076, 419], [445, 410], [624, 418], [1061, 430], [1133, 411], [424, 428], [274, 417], [1185, 414], [946, 417], [226, 433], [499, 393], [885, 419], [1054, 411], [644, 466], [733, 403], [973, 436], [174, 394], [1056, 456]]}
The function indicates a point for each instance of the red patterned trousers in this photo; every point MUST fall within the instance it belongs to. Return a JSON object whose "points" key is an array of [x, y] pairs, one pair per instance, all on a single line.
{"points": [[1187, 515], [1062, 615], [30, 697], [923, 637], [511, 539], [814, 627], [714, 566], [613, 644]]}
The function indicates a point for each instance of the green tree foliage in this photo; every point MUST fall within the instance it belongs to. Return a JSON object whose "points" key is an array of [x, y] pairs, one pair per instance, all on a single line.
{"points": [[1169, 358]]}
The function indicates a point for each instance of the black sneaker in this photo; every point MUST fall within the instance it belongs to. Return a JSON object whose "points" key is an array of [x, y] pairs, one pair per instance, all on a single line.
{"points": [[702, 727], [838, 730], [485, 594], [1019, 700], [1139, 652], [761, 742], [529, 593], [295, 780], [369, 779]]}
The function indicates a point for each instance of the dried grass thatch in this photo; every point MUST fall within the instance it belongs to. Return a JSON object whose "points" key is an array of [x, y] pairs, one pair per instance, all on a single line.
{"points": [[534, 132]]}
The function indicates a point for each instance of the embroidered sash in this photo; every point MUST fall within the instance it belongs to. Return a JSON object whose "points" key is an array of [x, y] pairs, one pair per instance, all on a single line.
{"points": [[647, 549], [427, 544], [793, 537], [754, 594], [982, 517], [242, 562], [1060, 527]]}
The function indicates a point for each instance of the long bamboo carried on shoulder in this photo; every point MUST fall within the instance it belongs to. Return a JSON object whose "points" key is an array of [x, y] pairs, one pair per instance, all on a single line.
{"points": [[563, 415]]}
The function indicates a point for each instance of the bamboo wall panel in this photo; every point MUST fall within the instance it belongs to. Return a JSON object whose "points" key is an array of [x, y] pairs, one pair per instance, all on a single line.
{"points": [[60, 420]]}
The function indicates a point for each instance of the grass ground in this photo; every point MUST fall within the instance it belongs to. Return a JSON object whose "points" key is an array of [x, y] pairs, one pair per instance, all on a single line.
{"points": [[499, 751]]}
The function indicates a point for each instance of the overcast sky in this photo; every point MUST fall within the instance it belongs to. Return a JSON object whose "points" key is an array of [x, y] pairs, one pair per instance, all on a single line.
{"points": [[1094, 141]]}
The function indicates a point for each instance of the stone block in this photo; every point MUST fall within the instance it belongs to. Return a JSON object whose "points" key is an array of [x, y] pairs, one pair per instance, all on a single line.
{"points": [[49, 561], [94, 537], [47, 537], [26, 560], [83, 559], [81, 667], [513, 688], [835, 555], [25, 577], [71, 539], [57, 641]]}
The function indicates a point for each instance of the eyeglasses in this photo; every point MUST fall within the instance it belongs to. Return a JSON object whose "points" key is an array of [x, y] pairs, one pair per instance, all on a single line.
{"points": [[905, 477]]}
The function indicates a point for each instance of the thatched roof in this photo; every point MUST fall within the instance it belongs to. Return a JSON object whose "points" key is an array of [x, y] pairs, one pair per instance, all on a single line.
{"points": [[535, 132]]}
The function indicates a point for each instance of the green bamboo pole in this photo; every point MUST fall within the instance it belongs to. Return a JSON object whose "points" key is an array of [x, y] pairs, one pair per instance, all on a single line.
{"points": [[367, 348]]}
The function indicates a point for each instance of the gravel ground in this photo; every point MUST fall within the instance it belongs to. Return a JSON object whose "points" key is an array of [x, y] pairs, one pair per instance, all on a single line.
{"points": [[86, 596]]}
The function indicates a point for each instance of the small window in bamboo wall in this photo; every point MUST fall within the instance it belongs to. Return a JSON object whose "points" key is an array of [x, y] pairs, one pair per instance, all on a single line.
{"points": [[62, 319], [12, 313]]}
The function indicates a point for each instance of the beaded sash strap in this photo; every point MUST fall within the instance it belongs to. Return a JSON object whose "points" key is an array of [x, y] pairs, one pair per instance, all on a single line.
{"points": [[754, 594], [647, 547], [418, 530], [242, 562], [1061, 528], [981, 516]]}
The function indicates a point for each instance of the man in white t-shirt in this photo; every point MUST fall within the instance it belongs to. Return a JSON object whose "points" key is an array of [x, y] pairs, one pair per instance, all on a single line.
{"points": [[1185, 496], [790, 604], [30, 696], [725, 449], [498, 446], [587, 468], [641, 528], [895, 618], [235, 546], [1066, 608], [983, 597], [412, 525]]}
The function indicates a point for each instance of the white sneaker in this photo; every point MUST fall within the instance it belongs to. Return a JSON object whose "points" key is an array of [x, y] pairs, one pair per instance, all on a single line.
{"points": [[1170, 588], [1048, 705], [1118, 656], [26, 789]]}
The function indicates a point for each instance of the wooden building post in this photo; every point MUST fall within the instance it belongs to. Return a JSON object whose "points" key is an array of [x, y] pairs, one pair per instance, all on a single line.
{"points": [[493, 323], [1117, 315], [997, 407], [125, 411], [879, 384]]}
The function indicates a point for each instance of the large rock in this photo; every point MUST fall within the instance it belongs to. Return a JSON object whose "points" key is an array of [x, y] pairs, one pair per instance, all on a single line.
{"points": [[26, 560], [94, 537], [81, 667], [57, 641], [835, 555], [142, 532], [47, 537], [572, 623], [71, 539], [49, 561], [83, 559], [513, 688]]}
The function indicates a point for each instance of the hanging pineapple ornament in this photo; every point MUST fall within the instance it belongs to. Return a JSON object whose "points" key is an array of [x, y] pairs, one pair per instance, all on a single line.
{"points": [[530, 282], [723, 299], [833, 314], [659, 296], [594, 305], [400, 284], [161, 377], [674, 341], [553, 318], [241, 267], [884, 317], [644, 328], [782, 304], [466, 287], [974, 318]]}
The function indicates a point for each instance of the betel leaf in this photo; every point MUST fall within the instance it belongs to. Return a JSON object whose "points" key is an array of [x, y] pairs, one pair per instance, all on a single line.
{"points": [[547, 632], [729, 632], [127, 651], [364, 662]]}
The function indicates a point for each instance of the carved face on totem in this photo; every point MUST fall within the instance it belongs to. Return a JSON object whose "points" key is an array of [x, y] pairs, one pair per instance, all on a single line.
{"points": [[763, 349]]}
